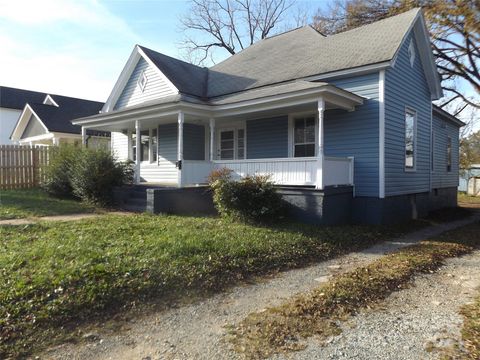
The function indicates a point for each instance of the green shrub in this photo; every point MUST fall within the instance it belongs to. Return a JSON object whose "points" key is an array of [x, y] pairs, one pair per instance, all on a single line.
{"points": [[252, 198], [88, 174], [95, 173], [57, 172]]}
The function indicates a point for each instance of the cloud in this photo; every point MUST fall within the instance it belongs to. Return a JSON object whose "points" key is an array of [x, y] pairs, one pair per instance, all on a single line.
{"points": [[75, 48]]}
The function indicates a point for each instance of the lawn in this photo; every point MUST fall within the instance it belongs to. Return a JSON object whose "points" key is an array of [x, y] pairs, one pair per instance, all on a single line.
{"points": [[463, 198], [26, 203], [56, 274]]}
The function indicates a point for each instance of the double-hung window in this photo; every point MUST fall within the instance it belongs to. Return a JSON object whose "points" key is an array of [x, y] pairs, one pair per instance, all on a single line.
{"points": [[410, 139], [304, 137], [148, 145]]}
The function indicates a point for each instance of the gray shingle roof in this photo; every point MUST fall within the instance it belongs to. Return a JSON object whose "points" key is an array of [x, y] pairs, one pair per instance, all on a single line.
{"points": [[304, 52], [266, 92], [14, 98], [295, 54], [59, 118]]}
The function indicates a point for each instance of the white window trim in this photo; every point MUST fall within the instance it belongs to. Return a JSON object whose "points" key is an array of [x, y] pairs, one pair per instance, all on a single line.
{"points": [[449, 155], [411, 53], [291, 131], [432, 155], [241, 125], [142, 81], [413, 112], [150, 159]]}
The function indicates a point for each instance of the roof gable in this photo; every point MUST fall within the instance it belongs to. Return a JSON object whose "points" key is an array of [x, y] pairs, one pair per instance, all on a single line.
{"points": [[127, 71], [56, 118], [144, 84], [33, 128]]}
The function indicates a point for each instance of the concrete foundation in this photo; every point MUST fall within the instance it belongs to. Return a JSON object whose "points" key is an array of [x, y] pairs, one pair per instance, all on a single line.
{"points": [[184, 201], [329, 206], [333, 205]]}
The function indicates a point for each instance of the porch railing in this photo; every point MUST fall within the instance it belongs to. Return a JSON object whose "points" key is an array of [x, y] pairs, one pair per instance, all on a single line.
{"points": [[284, 171]]}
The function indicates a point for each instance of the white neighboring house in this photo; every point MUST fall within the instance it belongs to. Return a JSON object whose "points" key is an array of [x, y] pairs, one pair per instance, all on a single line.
{"points": [[48, 122], [12, 102]]}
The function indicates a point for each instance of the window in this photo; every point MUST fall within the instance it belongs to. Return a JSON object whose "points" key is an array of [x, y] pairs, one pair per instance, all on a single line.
{"points": [[449, 154], [432, 153], [142, 81], [154, 146], [231, 144], [241, 144], [304, 137], [410, 141], [147, 142], [411, 53]]}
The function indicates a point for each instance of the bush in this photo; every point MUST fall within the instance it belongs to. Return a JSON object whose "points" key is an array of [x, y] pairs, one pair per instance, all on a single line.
{"points": [[95, 174], [57, 173], [88, 174], [252, 198]]}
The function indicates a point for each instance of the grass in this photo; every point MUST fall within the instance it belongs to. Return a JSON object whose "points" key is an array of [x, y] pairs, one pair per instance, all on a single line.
{"points": [[55, 276], [467, 199], [469, 346], [280, 329], [471, 329], [27, 203]]}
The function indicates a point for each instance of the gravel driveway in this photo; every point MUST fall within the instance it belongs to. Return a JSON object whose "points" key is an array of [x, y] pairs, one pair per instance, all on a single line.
{"points": [[197, 331]]}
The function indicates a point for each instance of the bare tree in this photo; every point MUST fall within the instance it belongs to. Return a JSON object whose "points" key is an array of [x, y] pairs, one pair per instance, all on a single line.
{"points": [[454, 27], [231, 25]]}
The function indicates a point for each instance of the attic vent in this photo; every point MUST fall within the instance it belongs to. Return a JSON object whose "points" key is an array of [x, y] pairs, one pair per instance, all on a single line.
{"points": [[411, 53], [142, 80]]}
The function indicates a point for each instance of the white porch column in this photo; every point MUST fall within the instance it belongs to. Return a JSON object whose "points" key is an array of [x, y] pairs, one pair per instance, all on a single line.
{"points": [[137, 151], [180, 147], [212, 139], [129, 145], [84, 136], [321, 109], [55, 141]]}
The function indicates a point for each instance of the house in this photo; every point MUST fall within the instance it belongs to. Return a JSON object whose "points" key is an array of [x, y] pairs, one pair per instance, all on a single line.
{"points": [[12, 102], [47, 121], [344, 124], [470, 180]]}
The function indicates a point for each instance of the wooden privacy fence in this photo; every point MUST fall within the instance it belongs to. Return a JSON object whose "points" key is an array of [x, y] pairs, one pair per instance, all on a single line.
{"points": [[21, 167]]}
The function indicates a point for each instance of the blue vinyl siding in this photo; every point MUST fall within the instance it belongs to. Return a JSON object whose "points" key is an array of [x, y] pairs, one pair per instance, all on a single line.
{"points": [[406, 86], [167, 141], [267, 138], [356, 133], [440, 176], [193, 142], [167, 152]]}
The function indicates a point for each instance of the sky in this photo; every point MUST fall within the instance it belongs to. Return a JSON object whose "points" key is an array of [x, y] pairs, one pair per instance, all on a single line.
{"points": [[79, 47]]}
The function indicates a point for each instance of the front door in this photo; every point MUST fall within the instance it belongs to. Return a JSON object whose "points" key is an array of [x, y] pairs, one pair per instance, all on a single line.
{"points": [[226, 150]]}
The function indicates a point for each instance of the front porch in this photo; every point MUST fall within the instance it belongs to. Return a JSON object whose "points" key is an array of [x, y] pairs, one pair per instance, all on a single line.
{"points": [[180, 144]]}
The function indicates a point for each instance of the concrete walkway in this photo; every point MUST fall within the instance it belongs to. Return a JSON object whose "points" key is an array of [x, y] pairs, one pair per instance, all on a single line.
{"points": [[197, 330], [69, 217]]}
